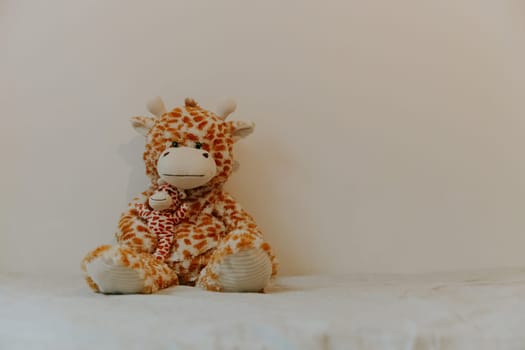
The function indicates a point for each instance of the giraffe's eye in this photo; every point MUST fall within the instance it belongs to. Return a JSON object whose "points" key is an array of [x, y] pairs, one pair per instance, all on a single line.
{"points": [[175, 144], [198, 145]]}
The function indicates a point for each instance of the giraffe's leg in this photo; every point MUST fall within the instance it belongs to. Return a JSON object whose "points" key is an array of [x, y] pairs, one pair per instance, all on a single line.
{"points": [[129, 266], [241, 263]]}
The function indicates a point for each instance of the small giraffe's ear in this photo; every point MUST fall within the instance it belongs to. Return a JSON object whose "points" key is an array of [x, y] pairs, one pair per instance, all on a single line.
{"points": [[142, 124], [241, 129]]}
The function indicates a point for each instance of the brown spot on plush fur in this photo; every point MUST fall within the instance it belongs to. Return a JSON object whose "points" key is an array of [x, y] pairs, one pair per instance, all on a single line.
{"points": [[92, 284], [124, 259], [200, 245], [201, 125]]}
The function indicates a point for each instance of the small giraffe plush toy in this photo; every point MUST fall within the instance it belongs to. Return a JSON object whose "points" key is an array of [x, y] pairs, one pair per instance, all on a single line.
{"points": [[167, 211], [216, 245]]}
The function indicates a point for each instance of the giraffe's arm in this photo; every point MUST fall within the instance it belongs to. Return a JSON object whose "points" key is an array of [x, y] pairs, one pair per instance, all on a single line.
{"points": [[142, 210], [233, 215], [242, 231]]}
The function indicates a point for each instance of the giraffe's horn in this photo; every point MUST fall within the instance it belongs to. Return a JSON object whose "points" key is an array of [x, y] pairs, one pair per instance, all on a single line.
{"points": [[156, 107], [226, 108]]}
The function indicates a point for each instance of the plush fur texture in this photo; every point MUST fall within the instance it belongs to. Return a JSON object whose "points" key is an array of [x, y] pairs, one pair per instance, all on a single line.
{"points": [[216, 230]]}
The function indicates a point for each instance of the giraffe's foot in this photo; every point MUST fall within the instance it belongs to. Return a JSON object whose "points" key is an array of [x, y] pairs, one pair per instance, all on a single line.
{"points": [[120, 270], [244, 271], [111, 277]]}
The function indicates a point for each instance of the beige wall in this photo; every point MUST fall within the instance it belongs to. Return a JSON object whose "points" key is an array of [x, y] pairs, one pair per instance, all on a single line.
{"points": [[390, 134]]}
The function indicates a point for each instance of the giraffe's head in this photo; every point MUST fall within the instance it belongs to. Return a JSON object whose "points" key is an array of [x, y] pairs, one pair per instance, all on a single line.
{"points": [[189, 147]]}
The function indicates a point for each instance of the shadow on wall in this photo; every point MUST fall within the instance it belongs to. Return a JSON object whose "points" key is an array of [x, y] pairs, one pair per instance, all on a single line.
{"points": [[132, 152]]}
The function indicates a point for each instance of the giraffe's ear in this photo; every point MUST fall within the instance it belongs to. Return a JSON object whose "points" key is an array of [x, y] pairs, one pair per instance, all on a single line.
{"points": [[142, 124], [241, 129]]}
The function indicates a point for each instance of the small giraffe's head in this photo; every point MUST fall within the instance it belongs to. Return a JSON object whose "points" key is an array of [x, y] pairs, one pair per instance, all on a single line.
{"points": [[189, 147], [160, 200]]}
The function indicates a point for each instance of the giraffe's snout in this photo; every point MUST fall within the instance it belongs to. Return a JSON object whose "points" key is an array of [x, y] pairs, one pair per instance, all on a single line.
{"points": [[186, 167]]}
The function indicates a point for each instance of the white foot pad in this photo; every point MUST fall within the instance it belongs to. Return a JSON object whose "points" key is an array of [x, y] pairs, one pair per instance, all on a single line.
{"points": [[114, 279], [246, 271]]}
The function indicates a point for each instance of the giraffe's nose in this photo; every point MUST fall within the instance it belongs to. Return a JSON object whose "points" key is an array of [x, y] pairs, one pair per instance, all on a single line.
{"points": [[205, 155]]}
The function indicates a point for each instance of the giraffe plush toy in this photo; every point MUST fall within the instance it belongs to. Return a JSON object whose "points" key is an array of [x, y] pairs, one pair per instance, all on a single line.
{"points": [[217, 245], [167, 210]]}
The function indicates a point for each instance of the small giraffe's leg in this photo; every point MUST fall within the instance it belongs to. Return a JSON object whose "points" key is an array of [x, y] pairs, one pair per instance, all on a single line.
{"points": [[120, 270], [241, 263], [165, 241]]}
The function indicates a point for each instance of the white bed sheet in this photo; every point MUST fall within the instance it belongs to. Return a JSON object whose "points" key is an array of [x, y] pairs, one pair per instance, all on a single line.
{"points": [[470, 310]]}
